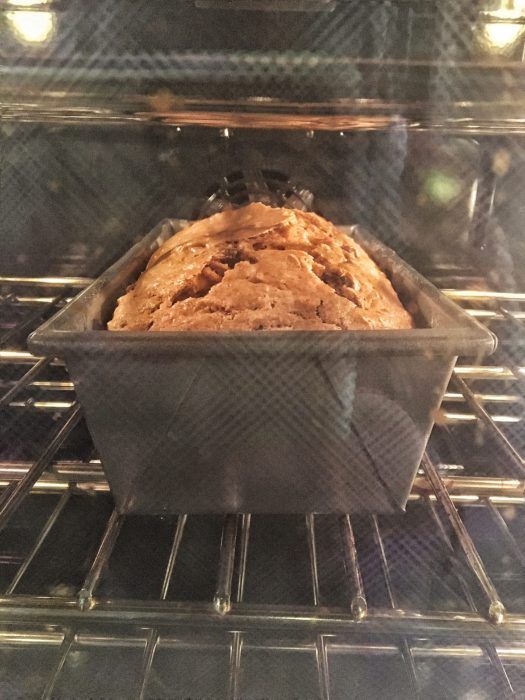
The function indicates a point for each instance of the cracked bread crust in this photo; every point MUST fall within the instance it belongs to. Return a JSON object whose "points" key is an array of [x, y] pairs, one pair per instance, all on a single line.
{"points": [[260, 268]]}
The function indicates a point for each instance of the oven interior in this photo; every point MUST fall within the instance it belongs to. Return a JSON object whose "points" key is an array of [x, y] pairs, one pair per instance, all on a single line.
{"points": [[401, 116]]}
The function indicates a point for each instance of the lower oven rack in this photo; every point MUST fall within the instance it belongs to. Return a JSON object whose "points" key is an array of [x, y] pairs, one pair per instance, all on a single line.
{"points": [[238, 617]]}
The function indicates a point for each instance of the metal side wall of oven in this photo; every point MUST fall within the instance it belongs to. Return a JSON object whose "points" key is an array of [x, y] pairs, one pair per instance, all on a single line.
{"points": [[415, 133]]}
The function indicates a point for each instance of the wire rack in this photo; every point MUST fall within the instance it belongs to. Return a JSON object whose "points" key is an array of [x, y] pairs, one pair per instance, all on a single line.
{"points": [[437, 593]]}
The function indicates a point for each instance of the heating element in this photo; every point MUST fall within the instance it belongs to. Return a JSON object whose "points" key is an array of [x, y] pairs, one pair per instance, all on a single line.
{"points": [[438, 592]]}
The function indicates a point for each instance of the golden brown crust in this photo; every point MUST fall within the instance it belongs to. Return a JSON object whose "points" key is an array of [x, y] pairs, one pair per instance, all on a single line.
{"points": [[259, 268]]}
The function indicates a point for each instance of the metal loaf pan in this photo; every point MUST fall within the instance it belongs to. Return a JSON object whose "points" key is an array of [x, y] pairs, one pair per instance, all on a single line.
{"points": [[266, 421]]}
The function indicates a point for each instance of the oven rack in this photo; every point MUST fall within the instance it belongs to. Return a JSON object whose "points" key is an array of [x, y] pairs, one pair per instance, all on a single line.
{"points": [[444, 495], [303, 83], [495, 665]]}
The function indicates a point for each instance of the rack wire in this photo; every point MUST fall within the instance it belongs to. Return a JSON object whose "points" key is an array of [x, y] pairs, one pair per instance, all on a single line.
{"points": [[339, 614]]}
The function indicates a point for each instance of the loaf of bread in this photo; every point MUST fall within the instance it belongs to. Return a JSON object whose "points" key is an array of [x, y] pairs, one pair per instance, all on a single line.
{"points": [[260, 268]]}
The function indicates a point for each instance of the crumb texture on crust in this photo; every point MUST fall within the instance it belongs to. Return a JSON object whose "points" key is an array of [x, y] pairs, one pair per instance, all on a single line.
{"points": [[259, 268]]}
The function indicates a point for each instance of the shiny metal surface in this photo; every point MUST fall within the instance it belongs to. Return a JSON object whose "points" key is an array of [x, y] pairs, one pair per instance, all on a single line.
{"points": [[357, 372]]}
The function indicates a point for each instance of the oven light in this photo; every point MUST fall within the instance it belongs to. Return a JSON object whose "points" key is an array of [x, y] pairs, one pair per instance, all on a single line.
{"points": [[500, 35], [27, 3], [31, 27], [505, 24]]}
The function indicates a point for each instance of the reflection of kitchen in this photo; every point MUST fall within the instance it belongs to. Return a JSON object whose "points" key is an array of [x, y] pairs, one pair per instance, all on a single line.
{"points": [[31, 21]]}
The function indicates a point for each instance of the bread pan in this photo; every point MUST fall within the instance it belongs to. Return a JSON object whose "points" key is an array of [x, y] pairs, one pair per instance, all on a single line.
{"points": [[264, 421]]}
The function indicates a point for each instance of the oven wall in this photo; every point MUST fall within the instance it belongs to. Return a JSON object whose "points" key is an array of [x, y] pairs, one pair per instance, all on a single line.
{"points": [[73, 198]]}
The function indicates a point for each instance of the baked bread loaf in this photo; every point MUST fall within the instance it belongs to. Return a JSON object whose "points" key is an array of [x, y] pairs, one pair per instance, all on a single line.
{"points": [[259, 268]]}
